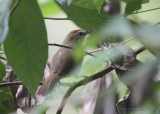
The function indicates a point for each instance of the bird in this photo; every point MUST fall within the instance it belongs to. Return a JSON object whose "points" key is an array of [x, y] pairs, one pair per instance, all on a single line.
{"points": [[62, 62]]}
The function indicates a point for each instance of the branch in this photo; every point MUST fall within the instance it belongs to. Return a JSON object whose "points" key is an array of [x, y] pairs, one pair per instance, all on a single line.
{"points": [[96, 50], [12, 83], [89, 79], [93, 51], [132, 38], [146, 10], [80, 83], [82, 19], [14, 7], [3, 58], [139, 50], [99, 49], [54, 44]]}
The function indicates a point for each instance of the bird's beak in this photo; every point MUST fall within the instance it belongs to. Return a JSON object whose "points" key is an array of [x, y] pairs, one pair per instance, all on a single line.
{"points": [[89, 31]]}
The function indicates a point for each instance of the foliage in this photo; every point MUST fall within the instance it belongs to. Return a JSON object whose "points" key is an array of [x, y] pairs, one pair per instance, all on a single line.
{"points": [[26, 50], [24, 47]]}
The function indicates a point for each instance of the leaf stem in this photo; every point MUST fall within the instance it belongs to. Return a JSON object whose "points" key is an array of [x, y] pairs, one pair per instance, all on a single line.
{"points": [[14, 7], [82, 19], [146, 10]]}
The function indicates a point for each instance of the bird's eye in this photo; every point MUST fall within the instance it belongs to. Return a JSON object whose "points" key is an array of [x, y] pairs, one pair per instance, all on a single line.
{"points": [[80, 33]]}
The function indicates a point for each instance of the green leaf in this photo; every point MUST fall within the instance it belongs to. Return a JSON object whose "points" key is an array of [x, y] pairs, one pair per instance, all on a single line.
{"points": [[4, 15], [2, 70], [49, 7], [26, 47], [133, 5], [90, 4], [86, 18], [64, 3], [6, 101], [143, 1], [149, 37]]}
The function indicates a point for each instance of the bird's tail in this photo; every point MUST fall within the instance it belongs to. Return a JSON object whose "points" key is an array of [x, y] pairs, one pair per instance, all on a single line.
{"points": [[48, 84]]}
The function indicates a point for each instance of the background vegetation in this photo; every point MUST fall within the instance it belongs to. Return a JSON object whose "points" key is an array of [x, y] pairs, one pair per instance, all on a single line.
{"points": [[24, 45]]}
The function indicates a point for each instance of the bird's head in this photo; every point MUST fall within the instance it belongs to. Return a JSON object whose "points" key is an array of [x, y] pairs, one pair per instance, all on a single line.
{"points": [[76, 35]]}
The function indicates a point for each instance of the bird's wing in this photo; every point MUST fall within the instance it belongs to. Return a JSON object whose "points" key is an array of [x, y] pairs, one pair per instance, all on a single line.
{"points": [[63, 62]]}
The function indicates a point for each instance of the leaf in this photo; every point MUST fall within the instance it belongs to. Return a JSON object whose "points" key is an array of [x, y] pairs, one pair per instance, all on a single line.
{"points": [[49, 7], [4, 15], [89, 4], [133, 5], [114, 28], [26, 47], [86, 18], [64, 3], [6, 101], [2, 70], [149, 37]]}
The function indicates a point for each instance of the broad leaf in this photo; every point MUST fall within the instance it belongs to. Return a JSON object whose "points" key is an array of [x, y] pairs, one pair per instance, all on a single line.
{"points": [[26, 47], [89, 4], [4, 15], [133, 5], [149, 37], [86, 18]]}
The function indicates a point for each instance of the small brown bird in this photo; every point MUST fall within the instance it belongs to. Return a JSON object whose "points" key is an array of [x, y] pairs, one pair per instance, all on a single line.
{"points": [[62, 62]]}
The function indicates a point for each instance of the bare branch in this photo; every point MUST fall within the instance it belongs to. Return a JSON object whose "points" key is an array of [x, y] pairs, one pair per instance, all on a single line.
{"points": [[54, 44], [96, 50], [14, 7], [12, 83], [99, 49], [82, 19], [146, 10], [139, 50], [128, 40]]}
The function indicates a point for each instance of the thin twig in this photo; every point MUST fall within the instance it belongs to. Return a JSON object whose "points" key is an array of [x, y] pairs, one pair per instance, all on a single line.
{"points": [[99, 49], [157, 23], [96, 50], [54, 44], [14, 7], [128, 40], [29, 102], [93, 51], [12, 83], [56, 18], [146, 10], [82, 19], [87, 80], [3, 58]]}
